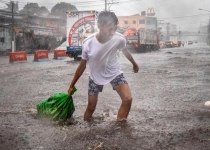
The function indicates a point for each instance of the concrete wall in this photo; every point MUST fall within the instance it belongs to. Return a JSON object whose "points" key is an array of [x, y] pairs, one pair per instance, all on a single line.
{"points": [[6, 44], [132, 21]]}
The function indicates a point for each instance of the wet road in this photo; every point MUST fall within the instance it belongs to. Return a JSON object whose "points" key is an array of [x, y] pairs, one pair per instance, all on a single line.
{"points": [[167, 112]]}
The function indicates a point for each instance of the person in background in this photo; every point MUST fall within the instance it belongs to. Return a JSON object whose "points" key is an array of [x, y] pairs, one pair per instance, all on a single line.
{"points": [[183, 43], [100, 50]]}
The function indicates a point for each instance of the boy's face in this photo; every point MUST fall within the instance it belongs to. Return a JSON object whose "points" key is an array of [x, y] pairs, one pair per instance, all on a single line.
{"points": [[107, 30]]}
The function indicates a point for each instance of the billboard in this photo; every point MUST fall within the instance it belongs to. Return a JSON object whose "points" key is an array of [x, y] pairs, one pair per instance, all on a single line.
{"points": [[80, 25]]}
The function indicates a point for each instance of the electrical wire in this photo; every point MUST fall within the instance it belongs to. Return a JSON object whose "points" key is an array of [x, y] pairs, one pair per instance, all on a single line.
{"points": [[121, 5]]}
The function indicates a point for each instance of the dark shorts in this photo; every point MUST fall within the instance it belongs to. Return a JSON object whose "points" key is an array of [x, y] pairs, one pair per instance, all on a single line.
{"points": [[94, 89]]}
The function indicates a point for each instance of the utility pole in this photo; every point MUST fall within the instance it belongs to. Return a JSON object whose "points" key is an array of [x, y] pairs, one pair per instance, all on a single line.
{"points": [[105, 5], [109, 4], [13, 34], [159, 21], [208, 29], [168, 31], [159, 28], [209, 32]]}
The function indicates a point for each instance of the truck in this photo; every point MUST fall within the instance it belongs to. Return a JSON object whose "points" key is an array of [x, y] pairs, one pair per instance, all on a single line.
{"points": [[174, 39], [142, 40], [80, 24]]}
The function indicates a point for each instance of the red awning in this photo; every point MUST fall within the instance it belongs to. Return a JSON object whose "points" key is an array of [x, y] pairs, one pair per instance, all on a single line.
{"points": [[129, 32]]}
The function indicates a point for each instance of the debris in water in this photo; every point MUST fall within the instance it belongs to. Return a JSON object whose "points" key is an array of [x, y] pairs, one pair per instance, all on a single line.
{"points": [[207, 104]]}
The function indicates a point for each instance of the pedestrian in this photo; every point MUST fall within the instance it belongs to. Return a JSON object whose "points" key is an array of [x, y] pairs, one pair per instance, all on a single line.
{"points": [[183, 43], [101, 51]]}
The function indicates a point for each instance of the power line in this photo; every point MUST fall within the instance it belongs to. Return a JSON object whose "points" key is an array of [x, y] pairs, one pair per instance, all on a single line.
{"points": [[185, 16]]}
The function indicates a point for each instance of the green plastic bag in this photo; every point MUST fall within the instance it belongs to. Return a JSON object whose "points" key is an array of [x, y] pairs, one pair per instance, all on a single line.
{"points": [[57, 106]]}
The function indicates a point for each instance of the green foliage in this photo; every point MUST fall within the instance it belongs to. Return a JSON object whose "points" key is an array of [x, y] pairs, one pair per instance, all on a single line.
{"points": [[30, 9], [60, 9], [42, 11], [34, 9], [58, 106]]}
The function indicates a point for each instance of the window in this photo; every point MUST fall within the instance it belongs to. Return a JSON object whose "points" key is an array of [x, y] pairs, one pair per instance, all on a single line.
{"points": [[42, 22], [141, 21], [134, 21], [149, 22], [125, 22]]}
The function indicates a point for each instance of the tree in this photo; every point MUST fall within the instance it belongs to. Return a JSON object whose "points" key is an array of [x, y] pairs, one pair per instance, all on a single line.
{"points": [[60, 9], [34, 9], [30, 9], [43, 11]]}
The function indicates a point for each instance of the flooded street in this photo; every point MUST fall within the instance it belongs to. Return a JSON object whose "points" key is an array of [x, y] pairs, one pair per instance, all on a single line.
{"points": [[167, 112]]}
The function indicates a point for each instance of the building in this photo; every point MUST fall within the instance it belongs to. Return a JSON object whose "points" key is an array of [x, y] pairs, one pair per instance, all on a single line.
{"points": [[47, 25], [173, 29], [6, 26], [29, 31], [139, 22], [151, 23], [134, 21], [167, 29]]}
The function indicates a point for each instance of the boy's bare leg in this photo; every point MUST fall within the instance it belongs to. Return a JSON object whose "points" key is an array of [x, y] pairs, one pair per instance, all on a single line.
{"points": [[92, 101], [125, 94]]}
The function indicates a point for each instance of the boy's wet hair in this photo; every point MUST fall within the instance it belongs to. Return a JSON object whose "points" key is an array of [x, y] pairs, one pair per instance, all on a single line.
{"points": [[106, 17]]}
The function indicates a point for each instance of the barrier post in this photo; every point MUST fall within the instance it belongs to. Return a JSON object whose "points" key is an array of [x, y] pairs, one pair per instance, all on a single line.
{"points": [[59, 54], [41, 55], [19, 56]]}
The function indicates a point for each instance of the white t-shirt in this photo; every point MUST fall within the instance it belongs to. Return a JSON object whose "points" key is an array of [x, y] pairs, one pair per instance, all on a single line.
{"points": [[103, 58]]}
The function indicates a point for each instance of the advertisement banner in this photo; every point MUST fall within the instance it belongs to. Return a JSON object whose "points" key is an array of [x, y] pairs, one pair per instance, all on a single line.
{"points": [[79, 26]]}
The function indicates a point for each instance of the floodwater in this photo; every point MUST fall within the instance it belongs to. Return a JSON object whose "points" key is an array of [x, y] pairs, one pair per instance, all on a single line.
{"points": [[167, 112]]}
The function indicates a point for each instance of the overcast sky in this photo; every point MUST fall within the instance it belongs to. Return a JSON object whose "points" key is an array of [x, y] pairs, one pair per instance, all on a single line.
{"points": [[183, 13]]}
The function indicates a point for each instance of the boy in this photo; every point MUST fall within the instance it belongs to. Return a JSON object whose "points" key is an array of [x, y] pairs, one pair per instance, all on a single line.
{"points": [[101, 50]]}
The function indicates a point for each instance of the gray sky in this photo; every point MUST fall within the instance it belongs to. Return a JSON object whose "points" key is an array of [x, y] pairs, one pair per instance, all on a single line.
{"points": [[184, 13]]}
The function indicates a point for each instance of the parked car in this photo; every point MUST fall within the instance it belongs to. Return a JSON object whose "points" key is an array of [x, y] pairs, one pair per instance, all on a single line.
{"points": [[190, 42], [169, 44], [179, 43], [162, 44]]}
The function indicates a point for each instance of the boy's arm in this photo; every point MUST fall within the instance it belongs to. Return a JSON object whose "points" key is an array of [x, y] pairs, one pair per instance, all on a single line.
{"points": [[78, 73], [130, 58]]}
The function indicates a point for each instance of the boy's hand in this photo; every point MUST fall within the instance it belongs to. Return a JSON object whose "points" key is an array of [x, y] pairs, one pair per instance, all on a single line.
{"points": [[135, 68], [70, 90]]}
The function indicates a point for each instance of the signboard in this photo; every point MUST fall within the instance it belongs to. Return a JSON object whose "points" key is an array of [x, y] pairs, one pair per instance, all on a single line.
{"points": [[42, 31], [80, 25]]}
